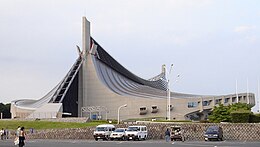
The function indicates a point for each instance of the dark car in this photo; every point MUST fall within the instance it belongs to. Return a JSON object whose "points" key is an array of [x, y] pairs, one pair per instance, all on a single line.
{"points": [[213, 133], [176, 133]]}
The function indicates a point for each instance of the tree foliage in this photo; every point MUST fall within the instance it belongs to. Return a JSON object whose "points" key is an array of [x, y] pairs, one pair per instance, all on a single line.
{"points": [[240, 116], [222, 113], [240, 107], [5, 109]]}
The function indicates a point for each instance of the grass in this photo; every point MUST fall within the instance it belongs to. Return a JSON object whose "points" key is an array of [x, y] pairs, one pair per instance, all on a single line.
{"points": [[146, 119], [39, 125], [157, 119], [173, 121]]}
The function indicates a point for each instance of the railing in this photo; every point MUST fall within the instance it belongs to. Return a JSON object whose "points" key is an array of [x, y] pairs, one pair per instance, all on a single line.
{"points": [[64, 86]]}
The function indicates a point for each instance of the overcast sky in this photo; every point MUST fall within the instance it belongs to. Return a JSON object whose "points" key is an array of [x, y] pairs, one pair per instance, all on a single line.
{"points": [[210, 42]]}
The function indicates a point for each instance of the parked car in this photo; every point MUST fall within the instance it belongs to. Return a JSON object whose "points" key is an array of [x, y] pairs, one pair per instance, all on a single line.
{"points": [[176, 133], [119, 133], [103, 131], [213, 133], [136, 133]]}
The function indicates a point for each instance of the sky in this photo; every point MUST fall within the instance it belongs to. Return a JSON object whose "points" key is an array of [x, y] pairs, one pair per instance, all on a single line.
{"points": [[211, 43]]}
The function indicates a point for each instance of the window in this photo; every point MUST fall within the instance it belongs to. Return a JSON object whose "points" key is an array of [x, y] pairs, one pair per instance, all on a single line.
{"points": [[143, 110], [244, 98], [226, 100], [206, 103], [239, 98], [192, 104], [218, 101], [154, 107]]}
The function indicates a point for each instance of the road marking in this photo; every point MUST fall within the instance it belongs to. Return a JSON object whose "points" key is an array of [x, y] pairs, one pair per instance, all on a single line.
{"points": [[119, 142]]}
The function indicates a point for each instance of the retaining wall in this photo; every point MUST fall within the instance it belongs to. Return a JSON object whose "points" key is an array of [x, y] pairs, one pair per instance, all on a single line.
{"points": [[192, 131]]}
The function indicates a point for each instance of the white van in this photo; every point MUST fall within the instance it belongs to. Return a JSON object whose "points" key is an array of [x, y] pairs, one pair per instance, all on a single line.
{"points": [[103, 131], [136, 133]]}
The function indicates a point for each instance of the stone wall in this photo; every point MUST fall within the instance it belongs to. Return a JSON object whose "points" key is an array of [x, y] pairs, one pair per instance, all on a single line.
{"points": [[69, 119], [192, 131]]}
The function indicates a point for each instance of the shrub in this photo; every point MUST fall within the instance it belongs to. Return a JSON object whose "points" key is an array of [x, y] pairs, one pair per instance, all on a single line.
{"points": [[240, 116], [254, 118]]}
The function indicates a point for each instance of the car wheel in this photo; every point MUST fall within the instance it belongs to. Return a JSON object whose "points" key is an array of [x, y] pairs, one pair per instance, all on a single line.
{"points": [[106, 138], [96, 139], [111, 139]]}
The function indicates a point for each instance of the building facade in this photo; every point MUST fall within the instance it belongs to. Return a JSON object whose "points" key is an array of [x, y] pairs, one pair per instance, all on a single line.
{"points": [[97, 86]]}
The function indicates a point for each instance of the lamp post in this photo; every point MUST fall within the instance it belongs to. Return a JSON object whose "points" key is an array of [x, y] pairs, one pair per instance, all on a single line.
{"points": [[118, 120], [169, 92]]}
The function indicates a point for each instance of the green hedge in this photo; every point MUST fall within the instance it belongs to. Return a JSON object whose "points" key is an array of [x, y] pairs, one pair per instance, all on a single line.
{"points": [[254, 118], [240, 116]]}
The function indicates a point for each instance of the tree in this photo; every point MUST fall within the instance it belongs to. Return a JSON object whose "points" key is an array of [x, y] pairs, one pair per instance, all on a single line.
{"points": [[5, 109], [222, 113], [239, 106]]}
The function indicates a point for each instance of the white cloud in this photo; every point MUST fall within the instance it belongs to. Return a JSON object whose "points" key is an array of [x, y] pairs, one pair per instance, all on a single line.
{"points": [[251, 39], [244, 28], [247, 33]]}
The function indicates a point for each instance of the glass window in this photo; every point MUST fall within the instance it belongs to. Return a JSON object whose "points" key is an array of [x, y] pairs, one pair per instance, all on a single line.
{"points": [[239, 98], [218, 101], [192, 104], [233, 99], [154, 107], [206, 103], [226, 100]]}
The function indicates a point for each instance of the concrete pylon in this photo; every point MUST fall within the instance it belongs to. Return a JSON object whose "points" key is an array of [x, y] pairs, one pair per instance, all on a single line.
{"points": [[85, 36], [82, 95]]}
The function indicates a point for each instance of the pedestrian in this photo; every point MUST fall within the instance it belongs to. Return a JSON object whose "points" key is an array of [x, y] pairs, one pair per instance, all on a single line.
{"points": [[167, 135], [6, 134], [17, 134], [18, 131], [22, 137], [2, 133]]}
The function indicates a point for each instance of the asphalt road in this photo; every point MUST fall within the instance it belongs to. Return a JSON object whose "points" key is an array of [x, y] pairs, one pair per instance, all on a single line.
{"points": [[147, 143]]}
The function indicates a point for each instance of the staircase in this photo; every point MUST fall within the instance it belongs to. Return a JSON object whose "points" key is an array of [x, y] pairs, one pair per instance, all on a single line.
{"points": [[65, 84]]}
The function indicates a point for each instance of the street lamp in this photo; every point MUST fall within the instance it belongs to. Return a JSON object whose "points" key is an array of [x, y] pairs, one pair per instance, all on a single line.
{"points": [[169, 91], [118, 120]]}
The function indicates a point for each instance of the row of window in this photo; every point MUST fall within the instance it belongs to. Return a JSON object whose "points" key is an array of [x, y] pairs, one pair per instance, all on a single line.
{"points": [[143, 110], [217, 101], [154, 109]]}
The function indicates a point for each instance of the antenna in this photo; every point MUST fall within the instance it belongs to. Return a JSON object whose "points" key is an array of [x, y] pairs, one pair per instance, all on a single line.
{"points": [[236, 91], [258, 92], [247, 91]]}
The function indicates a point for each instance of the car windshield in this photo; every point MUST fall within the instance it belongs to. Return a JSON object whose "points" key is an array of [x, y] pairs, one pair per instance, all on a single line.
{"points": [[101, 129], [119, 130], [212, 130], [132, 129]]}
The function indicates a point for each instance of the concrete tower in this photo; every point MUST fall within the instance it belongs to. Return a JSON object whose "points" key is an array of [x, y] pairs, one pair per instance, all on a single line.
{"points": [[82, 99]]}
